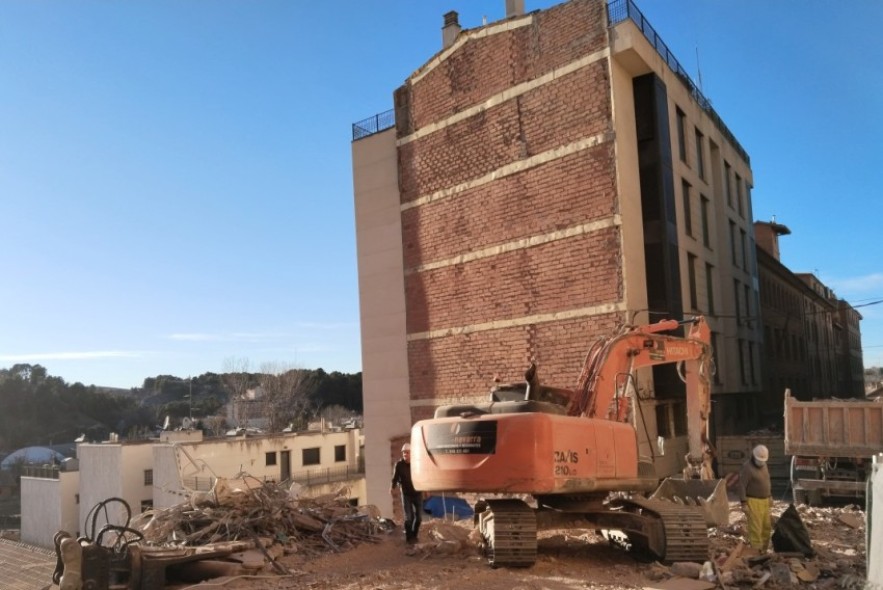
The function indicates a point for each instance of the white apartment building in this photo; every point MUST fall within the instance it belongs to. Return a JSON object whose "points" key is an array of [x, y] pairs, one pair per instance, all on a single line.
{"points": [[159, 473]]}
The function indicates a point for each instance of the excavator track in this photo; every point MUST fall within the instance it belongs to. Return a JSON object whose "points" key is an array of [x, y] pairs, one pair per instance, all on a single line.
{"points": [[509, 529], [684, 529]]}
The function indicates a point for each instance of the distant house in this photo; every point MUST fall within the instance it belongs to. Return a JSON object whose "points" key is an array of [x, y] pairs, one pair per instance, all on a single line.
{"points": [[162, 473]]}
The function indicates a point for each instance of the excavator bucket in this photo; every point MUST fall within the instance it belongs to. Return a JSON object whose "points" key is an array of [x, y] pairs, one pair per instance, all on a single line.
{"points": [[709, 495]]}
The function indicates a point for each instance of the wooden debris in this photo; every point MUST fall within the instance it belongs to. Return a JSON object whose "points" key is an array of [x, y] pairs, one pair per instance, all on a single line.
{"points": [[265, 516], [762, 580], [734, 555], [678, 583], [850, 520]]}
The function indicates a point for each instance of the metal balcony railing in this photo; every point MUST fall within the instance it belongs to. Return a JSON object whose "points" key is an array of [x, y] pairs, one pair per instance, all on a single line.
{"points": [[620, 10], [328, 475], [376, 124]]}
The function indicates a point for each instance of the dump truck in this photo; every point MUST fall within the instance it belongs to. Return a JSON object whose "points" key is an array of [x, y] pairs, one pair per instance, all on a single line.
{"points": [[831, 443], [548, 457]]}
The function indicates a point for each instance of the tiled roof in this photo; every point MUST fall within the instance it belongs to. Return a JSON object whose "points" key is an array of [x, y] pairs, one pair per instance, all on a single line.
{"points": [[24, 567]]}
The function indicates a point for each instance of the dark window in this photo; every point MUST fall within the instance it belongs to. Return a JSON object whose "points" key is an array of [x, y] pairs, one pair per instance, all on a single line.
{"points": [[700, 154], [748, 316], [736, 290], [709, 287], [742, 361], [271, 458], [679, 413], [706, 230], [751, 374], [688, 212], [311, 456], [742, 238], [663, 428], [148, 477], [739, 195], [728, 184], [691, 270], [682, 140], [340, 453], [733, 243]]}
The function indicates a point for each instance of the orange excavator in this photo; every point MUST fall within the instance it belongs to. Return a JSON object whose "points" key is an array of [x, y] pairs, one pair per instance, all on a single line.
{"points": [[551, 456]]}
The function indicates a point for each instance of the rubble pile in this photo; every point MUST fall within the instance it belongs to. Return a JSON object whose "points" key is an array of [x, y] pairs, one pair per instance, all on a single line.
{"points": [[252, 510], [838, 560]]}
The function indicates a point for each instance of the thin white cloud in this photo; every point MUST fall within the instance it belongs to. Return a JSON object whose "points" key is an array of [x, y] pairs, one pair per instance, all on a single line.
{"points": [[196, 337], [231, 337], [872, 283], [328, 325], [70, 356]]}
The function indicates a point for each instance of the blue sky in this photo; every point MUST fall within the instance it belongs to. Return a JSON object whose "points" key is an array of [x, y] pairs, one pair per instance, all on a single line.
{"points": [[176, 180]]}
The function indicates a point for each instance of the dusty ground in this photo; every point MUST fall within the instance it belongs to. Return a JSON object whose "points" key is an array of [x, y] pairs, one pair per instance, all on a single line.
{"points": [[449, 558]]}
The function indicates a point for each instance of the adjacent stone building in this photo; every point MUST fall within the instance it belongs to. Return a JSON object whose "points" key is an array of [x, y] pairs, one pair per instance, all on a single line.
{"points": [[541, 181], [812, 338]]}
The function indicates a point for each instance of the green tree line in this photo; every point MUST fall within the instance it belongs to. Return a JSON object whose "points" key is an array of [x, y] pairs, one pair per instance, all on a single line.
{"points": [[39, 409]]}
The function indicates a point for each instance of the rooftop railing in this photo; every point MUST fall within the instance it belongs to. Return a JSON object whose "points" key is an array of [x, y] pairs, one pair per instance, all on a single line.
{"points": [[376, 124], [621, 10]]}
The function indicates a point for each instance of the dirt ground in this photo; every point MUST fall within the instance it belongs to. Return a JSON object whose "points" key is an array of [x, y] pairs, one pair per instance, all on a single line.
{"points": [[449, 558]]}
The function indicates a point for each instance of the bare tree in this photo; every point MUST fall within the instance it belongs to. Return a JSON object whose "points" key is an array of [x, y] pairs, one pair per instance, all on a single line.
{"points": [[286, 391], [237, 380], [215, 424], [335, 414]]}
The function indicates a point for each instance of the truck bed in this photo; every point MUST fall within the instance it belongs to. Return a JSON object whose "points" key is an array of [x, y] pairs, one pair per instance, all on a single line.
{"points": [[833, 428]]}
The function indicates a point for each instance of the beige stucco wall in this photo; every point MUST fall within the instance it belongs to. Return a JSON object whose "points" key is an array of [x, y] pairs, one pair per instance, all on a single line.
{"points": [[382, 308], [113, 470], [177, 464], [632, 56], [49, 506]]}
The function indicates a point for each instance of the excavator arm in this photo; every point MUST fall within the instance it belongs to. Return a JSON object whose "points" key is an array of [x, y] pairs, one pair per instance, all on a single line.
{"points": [[610, 365]]}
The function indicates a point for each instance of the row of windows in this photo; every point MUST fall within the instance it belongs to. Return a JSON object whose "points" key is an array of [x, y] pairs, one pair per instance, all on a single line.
{"points": [[704, 207], [740, 243], [311, 456], [745, 302], [737, 191]]}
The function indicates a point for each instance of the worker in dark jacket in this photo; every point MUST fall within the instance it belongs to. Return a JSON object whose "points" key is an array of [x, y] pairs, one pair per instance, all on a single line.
{"points": [[755, 491], [412, 500]]}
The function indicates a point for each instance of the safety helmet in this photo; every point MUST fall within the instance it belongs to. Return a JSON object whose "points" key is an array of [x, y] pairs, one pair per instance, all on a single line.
{"points": [[761, 454], [406, 447]]}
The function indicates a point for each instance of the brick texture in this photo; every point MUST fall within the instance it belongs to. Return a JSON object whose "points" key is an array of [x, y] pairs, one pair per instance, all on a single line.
{"points": [[464, 366], [577, 188]]}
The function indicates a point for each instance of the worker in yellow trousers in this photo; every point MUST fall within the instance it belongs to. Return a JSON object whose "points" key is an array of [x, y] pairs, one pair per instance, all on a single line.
{"points": [[755, 491]]}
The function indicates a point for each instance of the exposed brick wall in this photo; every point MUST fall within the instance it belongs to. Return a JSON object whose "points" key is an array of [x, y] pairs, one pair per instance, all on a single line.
{"points": [[465, 365], [485, 67], [574, 189], [556, 276], [562, 275], [575, 106]]}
